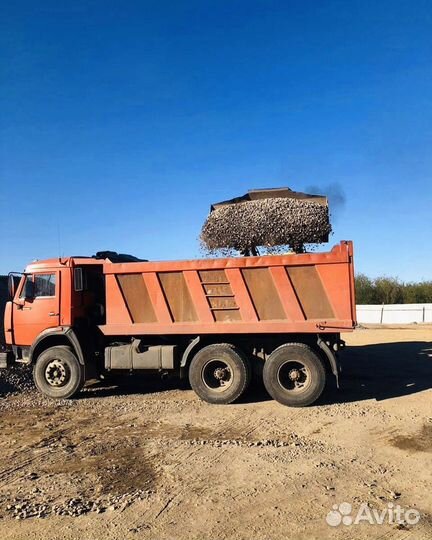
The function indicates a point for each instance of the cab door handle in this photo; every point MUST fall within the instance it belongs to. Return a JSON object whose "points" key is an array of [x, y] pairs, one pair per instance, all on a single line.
{"points": [[53, 314]]}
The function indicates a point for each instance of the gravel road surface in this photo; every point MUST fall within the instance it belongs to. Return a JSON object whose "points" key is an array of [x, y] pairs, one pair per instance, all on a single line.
{"points": [[151, 461]]}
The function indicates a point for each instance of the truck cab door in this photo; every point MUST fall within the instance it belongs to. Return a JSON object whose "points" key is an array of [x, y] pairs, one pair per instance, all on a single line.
{"points": [[36, 306]]}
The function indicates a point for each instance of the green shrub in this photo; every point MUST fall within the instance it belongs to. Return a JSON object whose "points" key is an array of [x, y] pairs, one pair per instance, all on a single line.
{"points": [[389, 290]]}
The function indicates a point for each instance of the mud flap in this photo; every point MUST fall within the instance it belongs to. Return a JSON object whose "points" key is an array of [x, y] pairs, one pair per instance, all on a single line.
{"points": [[331, 358]]}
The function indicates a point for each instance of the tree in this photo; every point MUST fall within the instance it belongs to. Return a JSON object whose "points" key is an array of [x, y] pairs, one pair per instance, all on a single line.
{"points": [[365, 292], [389, 290]]}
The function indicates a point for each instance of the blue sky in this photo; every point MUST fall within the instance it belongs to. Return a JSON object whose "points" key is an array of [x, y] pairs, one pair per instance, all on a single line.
{"points": [[121, 122]]}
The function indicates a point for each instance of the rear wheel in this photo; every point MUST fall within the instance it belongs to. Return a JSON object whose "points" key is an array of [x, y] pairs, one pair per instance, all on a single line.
{"points": [[219, 373], [58, 373], [294, 375]]}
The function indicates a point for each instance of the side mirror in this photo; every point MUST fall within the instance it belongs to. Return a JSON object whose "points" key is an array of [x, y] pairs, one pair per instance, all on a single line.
{"points": [[14, 279], [11, 286]]}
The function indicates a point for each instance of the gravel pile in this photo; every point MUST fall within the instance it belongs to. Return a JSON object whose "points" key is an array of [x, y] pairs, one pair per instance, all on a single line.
{"points": [[16, 379], [24, 508], [266, 222], [242, 443], [4, 297]]}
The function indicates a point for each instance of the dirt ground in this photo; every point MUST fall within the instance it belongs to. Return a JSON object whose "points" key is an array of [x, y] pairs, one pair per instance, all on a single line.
{"points": [[153, 462]]}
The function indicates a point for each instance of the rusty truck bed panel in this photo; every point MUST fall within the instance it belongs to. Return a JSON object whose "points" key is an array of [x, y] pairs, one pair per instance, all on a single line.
{"points": [[273, 294]]}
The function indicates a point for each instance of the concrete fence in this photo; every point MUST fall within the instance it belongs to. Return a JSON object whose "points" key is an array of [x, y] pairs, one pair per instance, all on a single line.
{"points": [[394, 313]]}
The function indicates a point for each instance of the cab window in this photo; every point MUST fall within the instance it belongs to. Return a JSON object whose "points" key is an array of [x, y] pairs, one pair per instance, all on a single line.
{"points": [[44, 285], [39, 285]]}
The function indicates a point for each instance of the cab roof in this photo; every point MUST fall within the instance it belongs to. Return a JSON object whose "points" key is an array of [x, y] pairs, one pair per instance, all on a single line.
{"points": [[100, 258]]}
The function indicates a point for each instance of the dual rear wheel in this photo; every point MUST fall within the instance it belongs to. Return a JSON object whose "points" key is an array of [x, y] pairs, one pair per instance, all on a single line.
{"points": [[219, 373], [293, 374]]}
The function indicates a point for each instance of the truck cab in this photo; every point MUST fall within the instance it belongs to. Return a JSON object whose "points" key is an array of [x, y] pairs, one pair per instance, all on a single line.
{"points": [[55, 306], [52, 296]]}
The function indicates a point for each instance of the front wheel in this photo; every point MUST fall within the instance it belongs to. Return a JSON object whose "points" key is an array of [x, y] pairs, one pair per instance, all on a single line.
{"points": [[294, 375], [58, 373], [219, 373]]}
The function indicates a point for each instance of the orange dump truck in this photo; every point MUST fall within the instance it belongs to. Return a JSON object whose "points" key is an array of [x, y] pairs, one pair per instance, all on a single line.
{"points": [[215, 321]]}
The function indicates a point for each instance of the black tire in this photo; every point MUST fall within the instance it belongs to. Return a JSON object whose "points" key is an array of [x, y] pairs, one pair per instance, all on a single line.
{"points": [[294, 375], [58, 373], [219, 373]]}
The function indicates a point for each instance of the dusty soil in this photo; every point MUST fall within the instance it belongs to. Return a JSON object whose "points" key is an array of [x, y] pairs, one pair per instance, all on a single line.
{"points": [[152, 461]]}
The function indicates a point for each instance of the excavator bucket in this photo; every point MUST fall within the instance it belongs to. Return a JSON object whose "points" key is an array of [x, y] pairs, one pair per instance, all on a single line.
{"points": [[273, 193]]}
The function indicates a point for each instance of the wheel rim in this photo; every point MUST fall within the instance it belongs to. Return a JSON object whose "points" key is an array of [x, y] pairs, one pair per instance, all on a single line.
{"points": [[217, 375], [294, 376], [57, 373]]}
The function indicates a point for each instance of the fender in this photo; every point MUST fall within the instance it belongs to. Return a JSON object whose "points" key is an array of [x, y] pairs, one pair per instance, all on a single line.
{"points": [[186, 355], [331, 358], [188, 350], [65, 331]]}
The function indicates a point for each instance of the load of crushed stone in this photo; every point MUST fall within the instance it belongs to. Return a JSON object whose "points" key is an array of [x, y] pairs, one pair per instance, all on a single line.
{"points": [[16, 379], [266, 222]]}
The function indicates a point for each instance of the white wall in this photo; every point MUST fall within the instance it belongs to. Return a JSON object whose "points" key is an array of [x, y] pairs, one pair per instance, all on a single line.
{"points": [[395, 313]]}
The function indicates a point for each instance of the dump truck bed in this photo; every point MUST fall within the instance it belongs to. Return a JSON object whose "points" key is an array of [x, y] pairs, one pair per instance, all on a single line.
{"points": [[303, 293]]}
